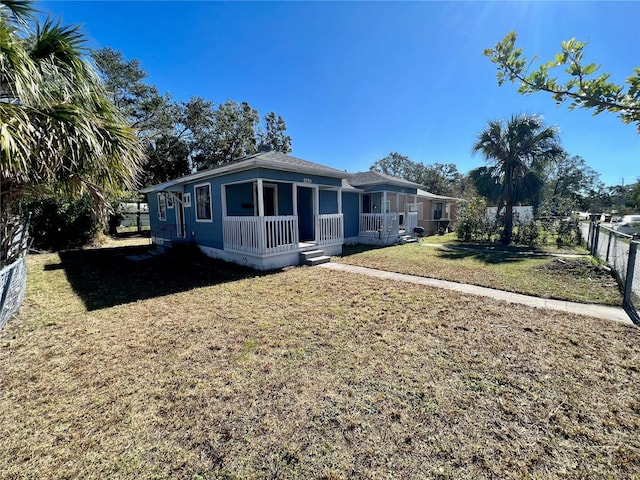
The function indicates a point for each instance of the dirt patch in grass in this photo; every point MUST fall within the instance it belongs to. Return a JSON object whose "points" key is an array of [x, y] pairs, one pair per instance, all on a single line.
{"points": [[580, 268], [311, 373], [510, 271]]}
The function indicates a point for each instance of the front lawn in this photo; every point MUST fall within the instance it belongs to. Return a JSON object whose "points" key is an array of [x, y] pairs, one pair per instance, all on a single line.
{"points": [[572, 279], [303, 373]]}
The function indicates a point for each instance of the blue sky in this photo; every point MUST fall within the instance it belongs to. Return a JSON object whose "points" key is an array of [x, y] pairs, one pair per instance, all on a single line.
{"points": [[355, 81]]}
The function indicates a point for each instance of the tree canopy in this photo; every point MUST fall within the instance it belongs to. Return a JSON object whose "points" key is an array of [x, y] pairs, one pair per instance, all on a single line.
{"points": [[58, 129], [179, 137], [517, 151], [581, 83], [438, 178]]}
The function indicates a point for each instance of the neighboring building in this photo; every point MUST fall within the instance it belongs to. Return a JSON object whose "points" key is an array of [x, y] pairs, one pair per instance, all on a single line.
{"points": [[435, 212], [265, 210], [522, 215]]}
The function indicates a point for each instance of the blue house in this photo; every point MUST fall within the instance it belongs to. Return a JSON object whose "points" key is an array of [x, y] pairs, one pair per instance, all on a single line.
{"points": [[269, 210]]}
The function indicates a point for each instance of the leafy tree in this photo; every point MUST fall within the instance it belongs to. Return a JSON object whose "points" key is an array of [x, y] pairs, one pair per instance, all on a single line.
{"points": [[517, 151], [569, 184], [58, 129], [162, 125], [634, 196], [273, 136], [441, 179], [396, 165], [150, 113], [581, 86], [234, 134], [208, 135]]}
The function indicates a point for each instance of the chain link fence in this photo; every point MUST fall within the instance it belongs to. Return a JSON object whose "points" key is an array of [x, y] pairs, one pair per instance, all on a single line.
{"points": [[619, 251], [13, 275], [13, 283]]}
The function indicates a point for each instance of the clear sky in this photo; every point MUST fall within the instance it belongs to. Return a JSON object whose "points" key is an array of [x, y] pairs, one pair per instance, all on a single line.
{"points": [[356, 81]]}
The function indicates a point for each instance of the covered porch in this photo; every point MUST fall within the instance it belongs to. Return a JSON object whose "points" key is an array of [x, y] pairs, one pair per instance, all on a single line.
{"points": [[385, 216], [268, 218]]}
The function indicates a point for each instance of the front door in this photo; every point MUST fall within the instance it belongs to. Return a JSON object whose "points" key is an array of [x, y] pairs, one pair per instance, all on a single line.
{"points": [[306, 224]]}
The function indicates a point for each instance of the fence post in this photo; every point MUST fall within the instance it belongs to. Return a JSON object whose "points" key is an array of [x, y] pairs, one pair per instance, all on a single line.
{"points": [[594, 240], [590, 236], [609, 245], [631, 264]]}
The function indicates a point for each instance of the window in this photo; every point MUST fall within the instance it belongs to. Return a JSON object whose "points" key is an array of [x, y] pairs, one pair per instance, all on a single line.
{"points": [[203, 203], [169, 200], [162, 206], [387, 206], [187, 199], [438, 209]]}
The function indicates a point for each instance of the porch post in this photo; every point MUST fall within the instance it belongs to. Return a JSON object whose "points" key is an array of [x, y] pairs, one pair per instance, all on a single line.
{"points": [[294, 197], [260, 199], [339, 199], [386, 214], [316, 212], [223, 201]]}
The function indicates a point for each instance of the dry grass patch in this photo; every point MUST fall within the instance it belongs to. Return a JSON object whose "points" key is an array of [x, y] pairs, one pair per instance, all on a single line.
{"points": [[310, 373], [572, 279]]}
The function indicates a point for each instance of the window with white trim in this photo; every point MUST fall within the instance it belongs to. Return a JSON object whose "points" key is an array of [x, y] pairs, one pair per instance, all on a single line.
{"points": [[169, 200], [162, 206], [203, 203], [186, 199]]}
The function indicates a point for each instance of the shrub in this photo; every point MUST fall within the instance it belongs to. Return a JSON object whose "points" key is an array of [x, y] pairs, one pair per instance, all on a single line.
{"points": [[58, 223], [472, 223]]}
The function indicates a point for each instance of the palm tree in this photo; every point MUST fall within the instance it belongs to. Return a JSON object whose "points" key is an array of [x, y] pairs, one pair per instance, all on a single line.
{"points": [[58, 131], [516, 150]]}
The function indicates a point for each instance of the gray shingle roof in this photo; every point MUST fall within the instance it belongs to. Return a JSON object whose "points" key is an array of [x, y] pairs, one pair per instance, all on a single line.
{"points": [[364, 179], [275, 160], [424, 193]]}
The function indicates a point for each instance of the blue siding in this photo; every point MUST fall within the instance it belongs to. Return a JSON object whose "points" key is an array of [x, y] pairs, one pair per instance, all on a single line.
{"points": [[351, 213], [277, 175], [285, 199], [240, 199], [391, 188], [328, 202]]}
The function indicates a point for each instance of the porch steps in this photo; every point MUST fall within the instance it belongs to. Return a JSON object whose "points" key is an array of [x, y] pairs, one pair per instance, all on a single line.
{"points": [[402, 239], [314, 257]]}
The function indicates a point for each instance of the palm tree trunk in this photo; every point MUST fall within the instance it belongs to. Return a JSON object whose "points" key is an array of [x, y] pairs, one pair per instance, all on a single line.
{"points": [[507, 234]]}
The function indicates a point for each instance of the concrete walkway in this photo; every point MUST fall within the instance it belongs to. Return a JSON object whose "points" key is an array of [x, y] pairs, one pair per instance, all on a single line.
{"points": [[616, 314]]}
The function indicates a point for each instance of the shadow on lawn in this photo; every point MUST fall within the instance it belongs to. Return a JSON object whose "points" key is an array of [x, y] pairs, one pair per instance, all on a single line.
{"points": [[490, 255], [105, 277]]}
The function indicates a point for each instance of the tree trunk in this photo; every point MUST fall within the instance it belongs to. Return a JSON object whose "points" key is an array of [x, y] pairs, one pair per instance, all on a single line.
{"points": [[507, 234]]}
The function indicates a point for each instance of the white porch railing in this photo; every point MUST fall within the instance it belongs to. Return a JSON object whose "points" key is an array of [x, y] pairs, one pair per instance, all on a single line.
{"points": [[411, 222], [385, 223], [261, 235], [330, 228]]}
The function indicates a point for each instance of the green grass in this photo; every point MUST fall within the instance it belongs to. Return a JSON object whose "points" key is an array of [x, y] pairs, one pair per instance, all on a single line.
{"points": [[184, 368], [550, 246], [578, 280]]}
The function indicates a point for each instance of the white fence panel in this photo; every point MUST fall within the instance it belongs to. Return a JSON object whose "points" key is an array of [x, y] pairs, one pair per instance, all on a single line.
{"points": [[261, 235], [331, 229]]}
